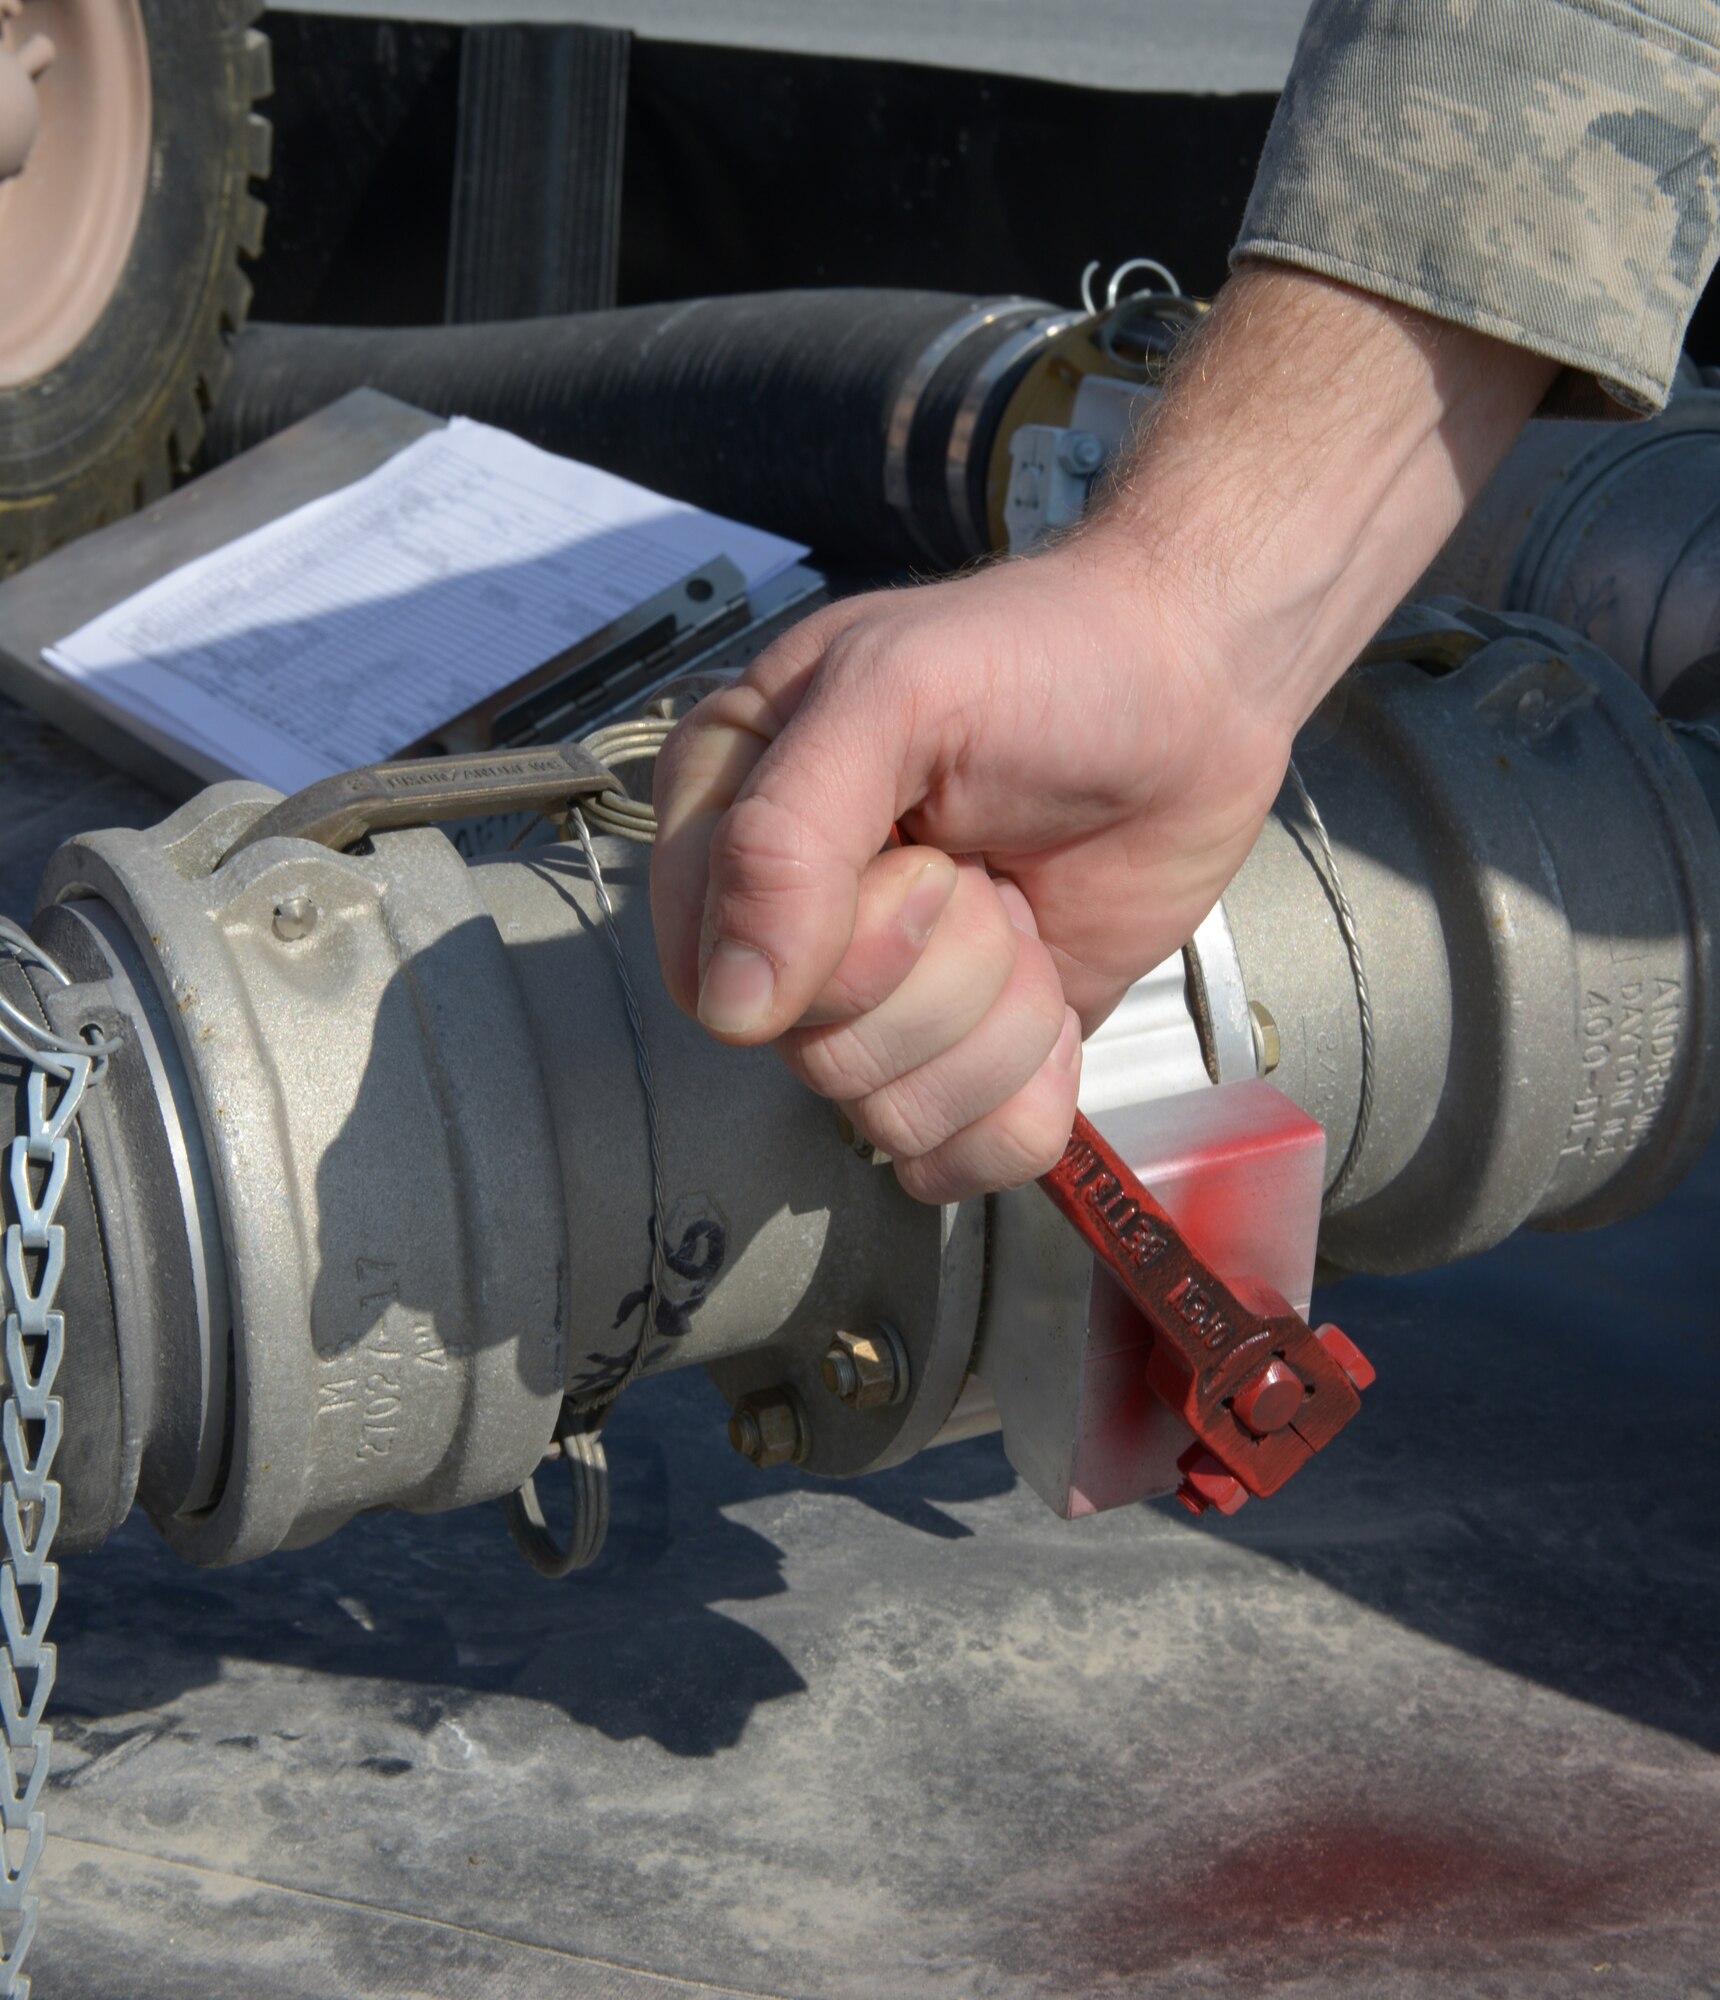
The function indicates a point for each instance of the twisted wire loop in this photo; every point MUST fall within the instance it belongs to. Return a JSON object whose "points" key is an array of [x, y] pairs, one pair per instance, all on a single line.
{"points": [[578, 1438], [657, 1283], [32, 1040], [634, 742], [1114, 289], [1704, 731], [1347, 929], [61, 1074]]}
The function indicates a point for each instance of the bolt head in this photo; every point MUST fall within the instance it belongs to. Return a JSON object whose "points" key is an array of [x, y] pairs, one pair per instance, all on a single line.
{"points": [[1348, 1356], [1081, 453], [1268, 1048], [1269, 1398], [294, 919], [769, 1428], [1533, 711], [867, 1371], [1206, 1483]]}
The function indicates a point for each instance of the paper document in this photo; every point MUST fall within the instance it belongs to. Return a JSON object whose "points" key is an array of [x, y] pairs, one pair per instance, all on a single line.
{"points": [[361, 622]]}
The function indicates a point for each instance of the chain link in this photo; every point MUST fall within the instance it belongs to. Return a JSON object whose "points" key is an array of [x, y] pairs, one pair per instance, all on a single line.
{"points": [[33, 1260]]}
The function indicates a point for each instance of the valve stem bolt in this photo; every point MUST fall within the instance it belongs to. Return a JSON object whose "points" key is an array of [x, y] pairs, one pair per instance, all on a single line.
{"points": [[1269, 1398]]}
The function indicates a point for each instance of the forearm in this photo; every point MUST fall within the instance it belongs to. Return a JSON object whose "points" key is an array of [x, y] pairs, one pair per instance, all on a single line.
{"points": [[1314, 449]]}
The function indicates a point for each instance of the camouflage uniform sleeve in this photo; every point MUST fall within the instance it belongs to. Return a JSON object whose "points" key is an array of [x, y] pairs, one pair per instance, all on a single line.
{"points": [[1541, 170]]}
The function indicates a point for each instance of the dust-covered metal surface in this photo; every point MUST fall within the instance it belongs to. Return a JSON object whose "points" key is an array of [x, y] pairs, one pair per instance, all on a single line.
{"points": [[1438, 1718]]}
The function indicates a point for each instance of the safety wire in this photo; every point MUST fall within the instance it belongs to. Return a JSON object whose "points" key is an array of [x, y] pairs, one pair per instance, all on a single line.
{"points": [[635, 742], [1114, 289], [616, 812], [35, 1042], [1364, 1004], [1704, 731]]}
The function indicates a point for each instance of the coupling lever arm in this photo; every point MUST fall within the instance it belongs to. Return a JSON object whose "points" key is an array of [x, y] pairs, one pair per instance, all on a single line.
{"points": [[425, 791]]}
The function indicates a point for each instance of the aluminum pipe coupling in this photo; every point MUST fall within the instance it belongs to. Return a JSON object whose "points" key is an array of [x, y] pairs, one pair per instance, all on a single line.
{"points": [[1519, 1024]]}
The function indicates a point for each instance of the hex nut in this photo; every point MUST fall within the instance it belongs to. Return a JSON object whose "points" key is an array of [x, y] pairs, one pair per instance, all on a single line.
{"points": [[1080, 453], [1268, 1048], [867, 1371], [294, 919], [769, 1428]]}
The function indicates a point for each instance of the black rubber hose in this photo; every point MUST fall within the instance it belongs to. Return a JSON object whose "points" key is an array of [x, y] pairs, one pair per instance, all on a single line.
{"points": [[773, 407]]}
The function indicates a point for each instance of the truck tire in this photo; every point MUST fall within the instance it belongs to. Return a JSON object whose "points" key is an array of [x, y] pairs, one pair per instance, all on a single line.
{"points": [[145, 145]]}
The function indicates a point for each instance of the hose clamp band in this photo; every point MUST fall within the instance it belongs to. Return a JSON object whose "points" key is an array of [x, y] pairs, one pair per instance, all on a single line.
{"points": [[904, 412], [968, 509]]}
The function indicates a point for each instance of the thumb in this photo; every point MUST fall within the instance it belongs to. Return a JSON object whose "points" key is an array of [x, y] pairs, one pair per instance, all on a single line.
{"points": [[768, 816]]}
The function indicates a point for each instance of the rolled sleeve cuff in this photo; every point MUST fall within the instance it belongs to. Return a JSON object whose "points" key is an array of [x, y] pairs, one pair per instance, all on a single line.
{"points": [[1543, 171]]}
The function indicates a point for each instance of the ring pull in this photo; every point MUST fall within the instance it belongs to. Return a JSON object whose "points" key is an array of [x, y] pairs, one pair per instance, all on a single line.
{"points": [[579, 1444]]}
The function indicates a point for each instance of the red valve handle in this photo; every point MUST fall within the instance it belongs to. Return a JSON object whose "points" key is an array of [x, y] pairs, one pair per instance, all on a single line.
{"points": [[1258, 1387]]}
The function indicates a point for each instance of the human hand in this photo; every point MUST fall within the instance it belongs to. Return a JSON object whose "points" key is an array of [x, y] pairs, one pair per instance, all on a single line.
{"points": [[1096, 733], [1043, 720]]}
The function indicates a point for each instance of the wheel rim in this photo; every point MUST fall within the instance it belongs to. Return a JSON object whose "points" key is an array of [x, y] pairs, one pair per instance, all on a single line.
{"points": [[67, 219]]}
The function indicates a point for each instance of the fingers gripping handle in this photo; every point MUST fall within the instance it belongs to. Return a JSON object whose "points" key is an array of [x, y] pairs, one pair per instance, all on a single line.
{"points": [[1260, 1390]]}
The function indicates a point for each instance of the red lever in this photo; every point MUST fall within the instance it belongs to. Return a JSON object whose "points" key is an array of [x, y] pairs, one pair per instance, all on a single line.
{"points": [[1258, 1387]]}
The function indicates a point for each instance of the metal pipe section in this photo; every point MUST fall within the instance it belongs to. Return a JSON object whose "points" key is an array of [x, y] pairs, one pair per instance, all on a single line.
{"points": [[403, 1086], [1611, 529], [367, 1192], [1534, 874]]}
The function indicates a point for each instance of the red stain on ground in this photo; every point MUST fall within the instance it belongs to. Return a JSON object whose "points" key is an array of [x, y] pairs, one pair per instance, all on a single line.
{"points": [[1362, 1876], [1314, 1892]]}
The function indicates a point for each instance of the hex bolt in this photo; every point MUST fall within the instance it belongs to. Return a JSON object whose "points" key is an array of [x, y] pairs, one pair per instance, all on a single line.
{"points": [[841, 1377], [1348, 1356], [294, 919], [1269, 1398], [1268, 1048], [1207, 1483], [867, 1371], [1081, 453], [769, 1428], [1532, 711]]}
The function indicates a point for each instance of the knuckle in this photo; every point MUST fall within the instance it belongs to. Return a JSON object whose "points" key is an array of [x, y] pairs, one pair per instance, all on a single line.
{"points": [[758, 848], [907, 1118], [1036, 997], [941, 1176], [1029, 1136], [835, 1062]]}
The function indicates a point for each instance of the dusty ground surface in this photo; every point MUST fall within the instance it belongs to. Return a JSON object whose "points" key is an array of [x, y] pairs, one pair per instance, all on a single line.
{"points": [[1440, 1719]]}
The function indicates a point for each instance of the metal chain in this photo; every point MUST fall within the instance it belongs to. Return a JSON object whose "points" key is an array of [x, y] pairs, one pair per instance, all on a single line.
{"points": [[31, 1421], [1364, 1003]]}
